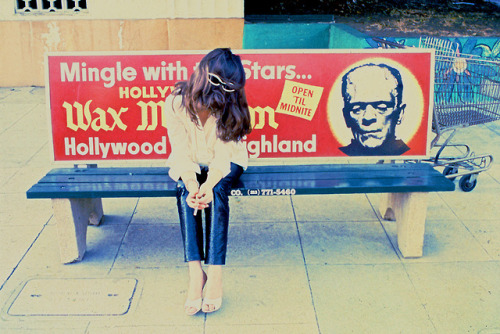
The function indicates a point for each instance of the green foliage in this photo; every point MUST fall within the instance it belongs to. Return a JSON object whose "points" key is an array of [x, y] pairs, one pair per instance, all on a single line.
{"points": [[359, 7]]}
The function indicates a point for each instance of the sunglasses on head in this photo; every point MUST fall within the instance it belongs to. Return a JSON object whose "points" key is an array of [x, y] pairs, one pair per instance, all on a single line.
{"points": [[215, 80]]}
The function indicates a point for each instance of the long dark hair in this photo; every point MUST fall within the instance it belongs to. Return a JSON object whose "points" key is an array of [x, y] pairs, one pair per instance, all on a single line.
{"points": [[229, 108]]}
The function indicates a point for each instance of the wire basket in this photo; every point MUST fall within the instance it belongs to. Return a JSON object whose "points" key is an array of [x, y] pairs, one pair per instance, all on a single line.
{"points": [[466, 89]]}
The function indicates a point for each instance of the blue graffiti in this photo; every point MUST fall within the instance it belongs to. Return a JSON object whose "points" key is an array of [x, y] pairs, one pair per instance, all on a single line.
{"points": [[461, 75], [464, 71]]}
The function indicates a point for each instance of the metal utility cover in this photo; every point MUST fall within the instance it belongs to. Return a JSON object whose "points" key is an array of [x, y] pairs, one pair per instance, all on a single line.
{"points": [[74, 297]]}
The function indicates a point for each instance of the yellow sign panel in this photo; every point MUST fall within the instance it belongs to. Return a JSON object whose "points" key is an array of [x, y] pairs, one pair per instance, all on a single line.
{"points": [[299, 100]]}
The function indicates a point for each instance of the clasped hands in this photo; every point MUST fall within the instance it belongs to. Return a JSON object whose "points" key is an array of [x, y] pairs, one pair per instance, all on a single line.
{"points": [[199, 198]]}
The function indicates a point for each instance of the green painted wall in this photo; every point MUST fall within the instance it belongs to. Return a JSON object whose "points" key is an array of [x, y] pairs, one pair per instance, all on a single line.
{"points": [[340, 36]]}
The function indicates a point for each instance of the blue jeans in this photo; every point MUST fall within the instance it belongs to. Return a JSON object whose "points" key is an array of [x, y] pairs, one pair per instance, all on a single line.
{"points": [[209, 245]]}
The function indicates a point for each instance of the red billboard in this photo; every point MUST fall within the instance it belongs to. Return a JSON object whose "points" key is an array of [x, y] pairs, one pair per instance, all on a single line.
{"points": [[305, 104]]}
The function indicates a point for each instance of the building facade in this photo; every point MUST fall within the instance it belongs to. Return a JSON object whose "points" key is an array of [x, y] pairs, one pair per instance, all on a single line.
{"points": [[31, 28]]}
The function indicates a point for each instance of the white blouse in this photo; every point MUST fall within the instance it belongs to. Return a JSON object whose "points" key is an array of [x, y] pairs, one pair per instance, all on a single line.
{"points": [[194, 146]]}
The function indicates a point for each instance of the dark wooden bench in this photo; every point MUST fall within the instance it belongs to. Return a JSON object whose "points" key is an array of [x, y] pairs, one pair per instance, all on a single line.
{"points": [[76, 193]]}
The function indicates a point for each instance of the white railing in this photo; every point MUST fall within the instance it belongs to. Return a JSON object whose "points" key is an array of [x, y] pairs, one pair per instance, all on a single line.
{"points": [[36, 7], [120, 9]]}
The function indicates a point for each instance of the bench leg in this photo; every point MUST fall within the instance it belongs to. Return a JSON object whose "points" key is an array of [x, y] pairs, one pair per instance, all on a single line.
{"points": [[97, 213], [409, 210], [385, 207], [72, 217]]}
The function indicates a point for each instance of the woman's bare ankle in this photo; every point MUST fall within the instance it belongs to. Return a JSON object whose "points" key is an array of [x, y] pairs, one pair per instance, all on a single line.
{"points": [[197, 279], [214, 282]]}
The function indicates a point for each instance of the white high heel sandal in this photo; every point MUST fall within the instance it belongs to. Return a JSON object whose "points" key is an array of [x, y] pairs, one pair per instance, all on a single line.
{"points": [[217, 302], [196, 304]]}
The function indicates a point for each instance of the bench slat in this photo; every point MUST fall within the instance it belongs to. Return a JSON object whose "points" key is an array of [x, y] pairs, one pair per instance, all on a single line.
{"points": [[110, 171], [300, 187], [102, 190], [265, 172], [251, 169], [71, 178], [316, 179]]}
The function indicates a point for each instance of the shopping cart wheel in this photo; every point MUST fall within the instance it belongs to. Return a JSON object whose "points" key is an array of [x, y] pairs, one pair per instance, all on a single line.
{"points": [[468, 182], [448, 170]]}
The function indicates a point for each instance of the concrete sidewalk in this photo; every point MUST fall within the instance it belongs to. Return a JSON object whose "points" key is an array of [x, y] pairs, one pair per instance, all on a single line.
{"points": [[304, 264]]}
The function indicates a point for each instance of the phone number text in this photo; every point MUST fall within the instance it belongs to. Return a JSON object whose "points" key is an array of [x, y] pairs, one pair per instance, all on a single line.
{"points": [[264, 192]]}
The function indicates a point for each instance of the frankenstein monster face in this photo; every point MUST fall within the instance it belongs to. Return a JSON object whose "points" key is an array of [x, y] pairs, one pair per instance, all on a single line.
{"points": [[372, 103]]}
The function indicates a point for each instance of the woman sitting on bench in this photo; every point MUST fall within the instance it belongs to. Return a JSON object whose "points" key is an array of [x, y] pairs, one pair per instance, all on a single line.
{"points": [[207, 117]]}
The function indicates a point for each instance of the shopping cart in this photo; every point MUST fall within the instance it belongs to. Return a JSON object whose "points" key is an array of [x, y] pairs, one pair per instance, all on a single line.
{"points": [[466, 93]]}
